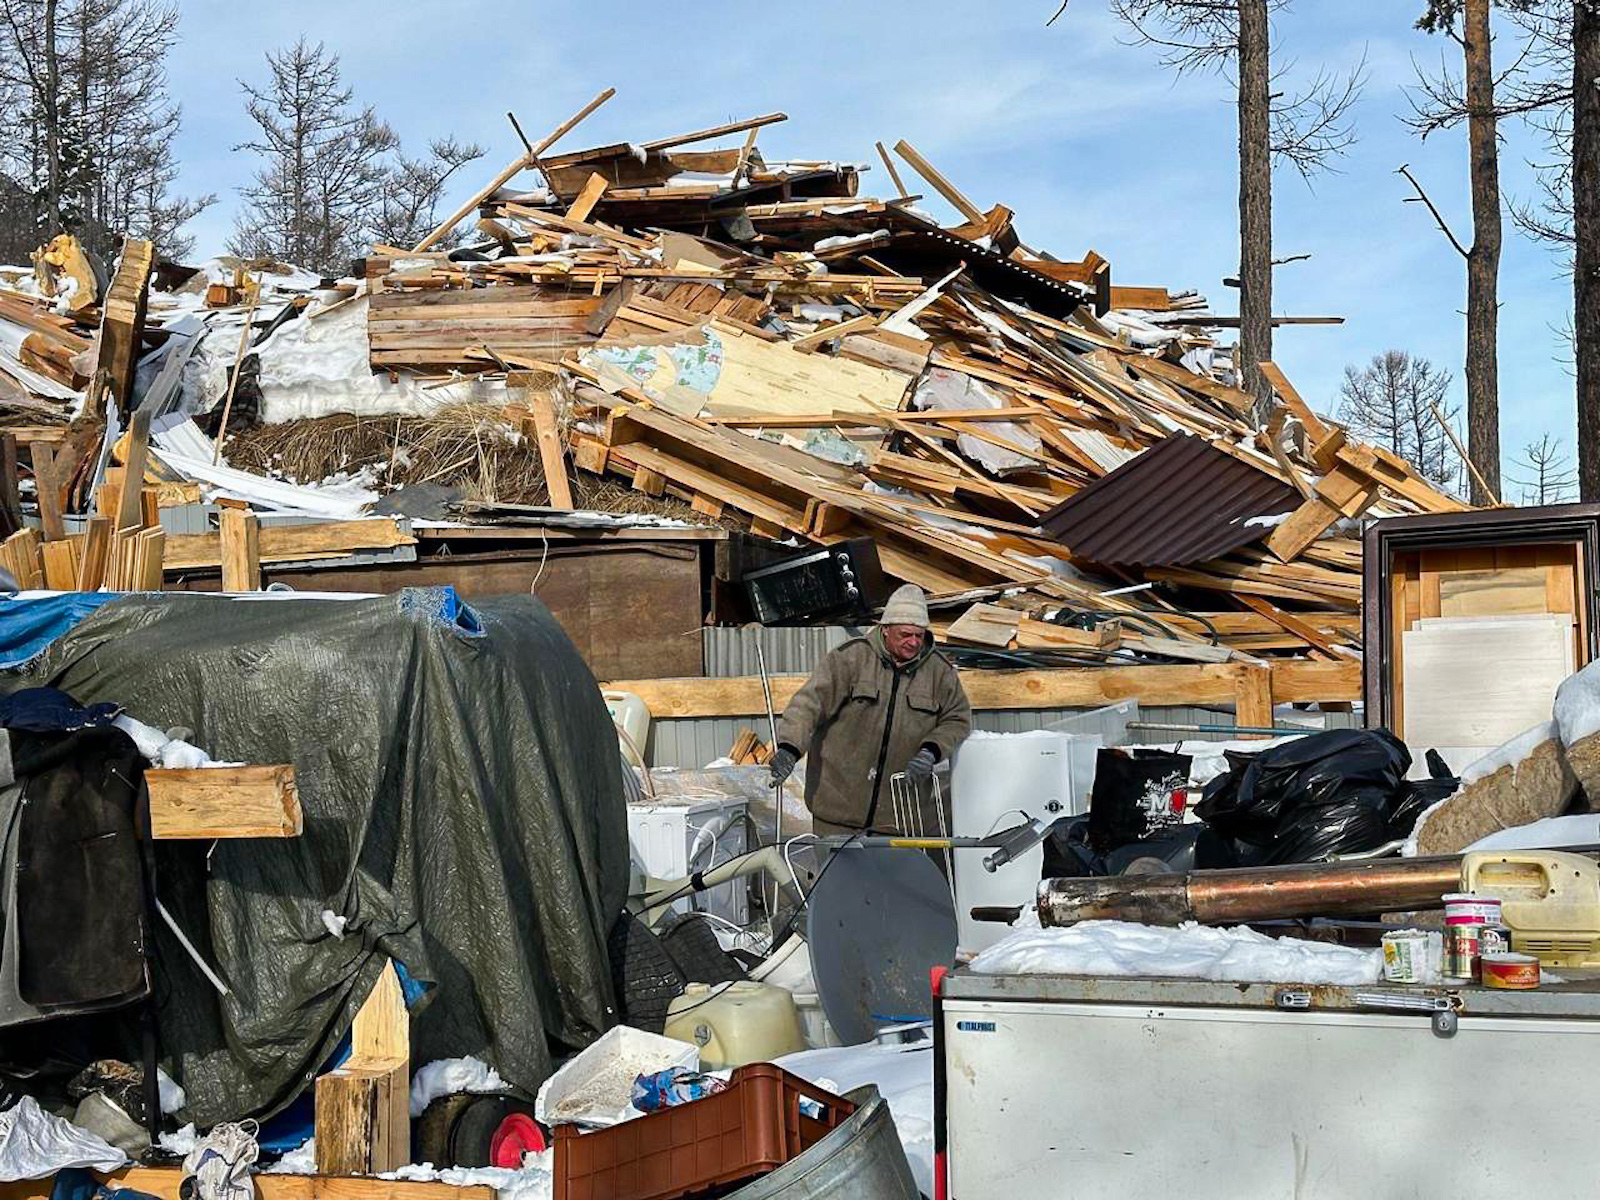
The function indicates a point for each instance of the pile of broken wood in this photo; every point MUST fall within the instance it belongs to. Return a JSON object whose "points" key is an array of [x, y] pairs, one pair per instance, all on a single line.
{"points": [[761, 338]]}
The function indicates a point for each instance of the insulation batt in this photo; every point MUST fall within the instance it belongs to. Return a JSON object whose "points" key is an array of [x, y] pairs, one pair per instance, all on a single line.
{"points": [[1191, 951]]}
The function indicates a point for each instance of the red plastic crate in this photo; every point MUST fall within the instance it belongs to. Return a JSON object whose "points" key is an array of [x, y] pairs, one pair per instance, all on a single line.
{"points": [[753, 1127]]}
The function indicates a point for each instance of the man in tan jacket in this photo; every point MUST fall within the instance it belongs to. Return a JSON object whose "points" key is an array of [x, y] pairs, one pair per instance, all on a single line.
{"points": [[876, 706]]}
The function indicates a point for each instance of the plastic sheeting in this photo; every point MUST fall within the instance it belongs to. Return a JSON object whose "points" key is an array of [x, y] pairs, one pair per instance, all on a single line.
{"points": [[35, 1145], [463, 811]]}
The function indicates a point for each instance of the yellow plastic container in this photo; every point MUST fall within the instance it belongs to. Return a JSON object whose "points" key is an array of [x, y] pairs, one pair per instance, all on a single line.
{"points": [[736, 1023], [632, 719]]}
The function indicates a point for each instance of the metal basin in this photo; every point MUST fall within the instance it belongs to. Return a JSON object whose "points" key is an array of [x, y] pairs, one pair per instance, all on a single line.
{"points": [[860, 1160]]}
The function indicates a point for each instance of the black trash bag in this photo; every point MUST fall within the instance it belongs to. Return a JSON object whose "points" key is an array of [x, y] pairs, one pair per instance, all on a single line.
{"points": [[1423, 795], [1137, 795], [1067, 853], [1325, 793]]}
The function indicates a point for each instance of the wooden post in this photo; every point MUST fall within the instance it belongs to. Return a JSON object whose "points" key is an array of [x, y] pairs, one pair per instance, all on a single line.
{"points": [[1253, 701], [10, 499], [224, 802], [363, 1113], [241, 551]]}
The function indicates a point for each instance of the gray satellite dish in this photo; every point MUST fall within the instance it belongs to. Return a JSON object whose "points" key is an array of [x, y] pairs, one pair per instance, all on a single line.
{"points": [[878, 921]]}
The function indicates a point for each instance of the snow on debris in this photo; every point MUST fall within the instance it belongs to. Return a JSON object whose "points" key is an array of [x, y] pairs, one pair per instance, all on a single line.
{"points": [[1191, 951]]}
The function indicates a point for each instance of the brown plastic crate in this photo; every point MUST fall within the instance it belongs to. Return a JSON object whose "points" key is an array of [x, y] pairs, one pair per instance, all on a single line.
{"points": [[753, 1127]]}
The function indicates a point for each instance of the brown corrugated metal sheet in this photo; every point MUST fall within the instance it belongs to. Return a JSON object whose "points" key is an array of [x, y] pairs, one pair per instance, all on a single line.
{"points": [[1181, 501]]}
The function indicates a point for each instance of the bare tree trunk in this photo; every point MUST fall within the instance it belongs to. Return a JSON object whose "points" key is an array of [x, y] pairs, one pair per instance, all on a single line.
{"points": [[1483, 262], [52, 120], [1255, 199], [1586, 233]]}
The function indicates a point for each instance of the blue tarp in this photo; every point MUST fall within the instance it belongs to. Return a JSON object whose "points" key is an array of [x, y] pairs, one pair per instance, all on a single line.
{"points": [[28, 627]]}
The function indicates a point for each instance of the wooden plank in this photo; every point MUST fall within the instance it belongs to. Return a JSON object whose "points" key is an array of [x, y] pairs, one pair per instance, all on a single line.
{"points": [[1342, 492], [61, 564], [703, 135], [1315, 429], [545, 434], [288, 543], [528, 159], [47, 490], [164, 1182], [940, 184], [1301, 629], [583, 205], [122, 321], [1089, 687], [96, 554], [1253, 701], [241, 551], [150, 546], [1151, 299], [224, 802], [129, 510]]}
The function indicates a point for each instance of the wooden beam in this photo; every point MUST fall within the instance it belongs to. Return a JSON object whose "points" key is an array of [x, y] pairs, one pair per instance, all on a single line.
{"points": [[702, 135], [363, 1121], [542, 430], [940, 184], [241, 551], [1301, 629], [1252, 704], [527, 159], [1315, 429], [122, 321], [164, 1182], [290, 543], [583, 205], [894, 175], [1067, 687], [224, 802], [1342, 492]]}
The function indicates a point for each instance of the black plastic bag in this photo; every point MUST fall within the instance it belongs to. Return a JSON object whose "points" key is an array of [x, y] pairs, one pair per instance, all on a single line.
{"points": [[1137, 794], [1326, 793]]}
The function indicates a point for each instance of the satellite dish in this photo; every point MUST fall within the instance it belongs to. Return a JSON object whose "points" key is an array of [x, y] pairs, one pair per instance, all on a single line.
{"points": [[878, 921]]}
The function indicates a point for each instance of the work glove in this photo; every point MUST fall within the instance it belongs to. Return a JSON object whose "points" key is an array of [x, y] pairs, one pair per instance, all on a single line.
{"points": [[782, 764], [922, 764]]}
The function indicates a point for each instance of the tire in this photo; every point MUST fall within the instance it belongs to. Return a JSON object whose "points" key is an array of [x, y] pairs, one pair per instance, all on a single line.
{"points": [[495, 1123], [431, 1133], [693, 945], [643, 973]]}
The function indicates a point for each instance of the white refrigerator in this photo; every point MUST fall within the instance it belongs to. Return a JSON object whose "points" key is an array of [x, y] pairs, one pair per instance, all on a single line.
{"points": [[1125, 1089]]}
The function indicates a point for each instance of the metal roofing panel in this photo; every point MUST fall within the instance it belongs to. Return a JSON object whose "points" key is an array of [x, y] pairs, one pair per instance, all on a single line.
{"points": [[1181, 501]]}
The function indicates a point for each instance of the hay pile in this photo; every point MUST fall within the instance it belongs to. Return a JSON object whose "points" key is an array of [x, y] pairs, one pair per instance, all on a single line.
{"points": [[478, 448]]}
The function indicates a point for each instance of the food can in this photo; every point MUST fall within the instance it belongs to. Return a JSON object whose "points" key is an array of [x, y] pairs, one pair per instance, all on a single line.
{"points": [[1461, 951], [1518, 972], [1464, 908], [1494, 939], [1405, 956]]}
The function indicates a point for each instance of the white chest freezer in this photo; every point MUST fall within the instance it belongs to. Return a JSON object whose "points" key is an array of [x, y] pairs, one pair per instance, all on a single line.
{"points": [[1127, 1089]]}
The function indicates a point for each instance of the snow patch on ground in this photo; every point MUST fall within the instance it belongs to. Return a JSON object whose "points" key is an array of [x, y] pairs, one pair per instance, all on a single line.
{"points": [[297, 1162], [446, 1076], [533, 1181], [1191, 951]]}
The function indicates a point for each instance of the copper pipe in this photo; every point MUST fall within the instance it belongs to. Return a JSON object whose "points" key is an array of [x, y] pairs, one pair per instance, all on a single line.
{"points": [[1254, 893]]}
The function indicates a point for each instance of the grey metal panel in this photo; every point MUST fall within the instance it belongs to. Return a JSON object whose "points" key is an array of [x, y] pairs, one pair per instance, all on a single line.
{"points": [[730, 653]]}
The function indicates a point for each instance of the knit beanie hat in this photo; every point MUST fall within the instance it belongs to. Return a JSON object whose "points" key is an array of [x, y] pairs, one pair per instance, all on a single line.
{"points": [[907, 606]]}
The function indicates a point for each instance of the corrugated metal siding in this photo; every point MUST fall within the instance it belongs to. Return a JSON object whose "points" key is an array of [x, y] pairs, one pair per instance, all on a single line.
{"points": [[696, 741], [730, 653], [1181, 501], [192, 518]]}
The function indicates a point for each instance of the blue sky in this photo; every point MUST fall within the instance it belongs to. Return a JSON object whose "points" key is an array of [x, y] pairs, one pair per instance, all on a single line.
{"points": [[1086, 137]]}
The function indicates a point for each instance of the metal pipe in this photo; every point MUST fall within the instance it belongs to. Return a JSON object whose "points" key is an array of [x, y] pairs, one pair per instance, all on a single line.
{"points": [[1253, 893]]}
